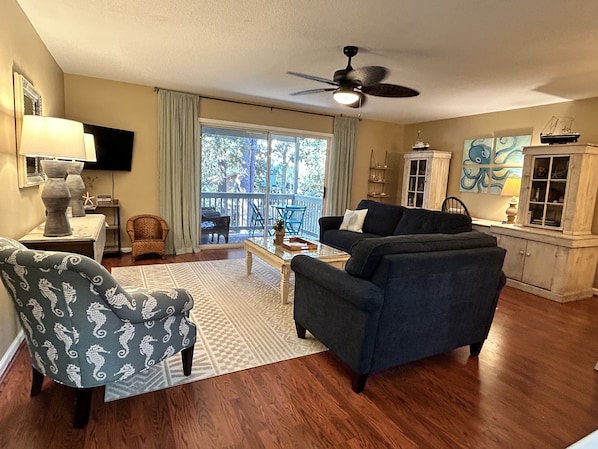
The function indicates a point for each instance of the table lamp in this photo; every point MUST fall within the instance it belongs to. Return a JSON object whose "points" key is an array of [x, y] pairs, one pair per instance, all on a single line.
{"points": [[74, 181], [50, 137], [511, 188]]}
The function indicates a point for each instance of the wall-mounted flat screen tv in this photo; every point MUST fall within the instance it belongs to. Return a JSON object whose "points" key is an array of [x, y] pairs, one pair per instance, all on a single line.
{"points": [[114, 148]]}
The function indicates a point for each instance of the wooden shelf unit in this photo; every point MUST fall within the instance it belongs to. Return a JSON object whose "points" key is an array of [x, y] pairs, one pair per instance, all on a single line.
{"points": [[378, 178], [113, 226]]}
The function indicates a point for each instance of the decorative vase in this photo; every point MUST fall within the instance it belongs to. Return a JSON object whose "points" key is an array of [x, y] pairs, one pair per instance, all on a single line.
{"points": [[278, 237]]}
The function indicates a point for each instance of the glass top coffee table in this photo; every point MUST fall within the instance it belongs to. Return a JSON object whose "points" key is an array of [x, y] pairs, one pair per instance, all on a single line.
{"points": [[280, 258]]}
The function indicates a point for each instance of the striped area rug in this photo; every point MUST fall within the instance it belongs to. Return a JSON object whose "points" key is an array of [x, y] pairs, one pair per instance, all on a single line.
{"points": [[240, 320]]}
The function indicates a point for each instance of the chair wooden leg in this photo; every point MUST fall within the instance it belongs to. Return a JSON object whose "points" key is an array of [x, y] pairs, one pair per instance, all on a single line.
{"points": [[82, 407], [37, 381], [187, 355]]}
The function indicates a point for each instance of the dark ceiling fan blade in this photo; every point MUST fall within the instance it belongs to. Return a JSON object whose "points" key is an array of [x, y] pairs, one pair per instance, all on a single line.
{"points": [[389, 90], [313, 78], [367, 76], [314, 91], [360, 103]]}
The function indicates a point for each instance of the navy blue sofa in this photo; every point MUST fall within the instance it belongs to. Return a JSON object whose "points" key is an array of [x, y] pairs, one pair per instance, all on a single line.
{"points": [[400, 299], [384, 220]]}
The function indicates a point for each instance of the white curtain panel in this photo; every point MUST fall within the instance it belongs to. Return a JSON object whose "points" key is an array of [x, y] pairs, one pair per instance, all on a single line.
{"points": [[179, 169], [341, 165]]}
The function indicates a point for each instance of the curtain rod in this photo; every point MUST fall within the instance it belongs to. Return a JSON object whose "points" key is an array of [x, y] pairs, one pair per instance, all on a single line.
{"points": [[157, 89]]}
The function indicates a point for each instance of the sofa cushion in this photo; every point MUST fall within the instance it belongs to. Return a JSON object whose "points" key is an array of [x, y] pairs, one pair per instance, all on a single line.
{"points": [[343, 240], [381, 218], [423, 221], [366, 253], [353, 220]]}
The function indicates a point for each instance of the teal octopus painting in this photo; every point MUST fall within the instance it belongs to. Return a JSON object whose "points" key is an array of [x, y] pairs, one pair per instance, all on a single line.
{"points": [[488, 162]]}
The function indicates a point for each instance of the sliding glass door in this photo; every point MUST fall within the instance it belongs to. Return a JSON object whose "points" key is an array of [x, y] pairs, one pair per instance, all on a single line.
{"points": [[249, 178]]}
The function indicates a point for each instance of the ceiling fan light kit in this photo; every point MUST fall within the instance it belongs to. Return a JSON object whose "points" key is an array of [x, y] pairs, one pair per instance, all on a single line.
{"points": [[345, 95], [351, 85]]}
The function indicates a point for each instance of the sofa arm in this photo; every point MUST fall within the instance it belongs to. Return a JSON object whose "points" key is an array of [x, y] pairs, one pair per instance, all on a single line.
{"points": [[330, 222], [155, 305], [339, 310], [362, 294]]}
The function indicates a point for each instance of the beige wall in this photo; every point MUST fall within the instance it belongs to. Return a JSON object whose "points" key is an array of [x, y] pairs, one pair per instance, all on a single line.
{"points": [[385, 140], [449, 135], [21, 209], [123, 106]]}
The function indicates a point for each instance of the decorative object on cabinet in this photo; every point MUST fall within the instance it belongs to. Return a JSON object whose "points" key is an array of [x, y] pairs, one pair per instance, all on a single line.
{"points": [[378, 179], [419, 145], [559, 130], [511, 188], [55, 138], [425, 178], [112, 213], [552, 252], [88, 201], [74, 181], [104, 198], [28, 101]]}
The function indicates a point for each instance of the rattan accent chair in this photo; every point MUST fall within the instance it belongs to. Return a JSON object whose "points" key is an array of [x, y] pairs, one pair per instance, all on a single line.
{"points": [[148, 235]]}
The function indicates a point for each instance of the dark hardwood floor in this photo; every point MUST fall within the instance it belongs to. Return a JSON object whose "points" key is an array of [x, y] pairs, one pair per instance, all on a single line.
{"points": [[533, 386]]}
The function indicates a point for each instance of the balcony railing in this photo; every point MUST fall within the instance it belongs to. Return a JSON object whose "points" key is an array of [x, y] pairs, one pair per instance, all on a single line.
{"points": [[237, 205]]}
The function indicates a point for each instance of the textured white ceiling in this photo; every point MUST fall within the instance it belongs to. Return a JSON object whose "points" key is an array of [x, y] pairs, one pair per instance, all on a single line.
{"points": [[464, 56]]}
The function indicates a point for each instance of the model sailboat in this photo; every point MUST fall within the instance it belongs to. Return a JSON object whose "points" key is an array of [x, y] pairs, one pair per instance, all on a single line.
{"points": [[559, 130]]}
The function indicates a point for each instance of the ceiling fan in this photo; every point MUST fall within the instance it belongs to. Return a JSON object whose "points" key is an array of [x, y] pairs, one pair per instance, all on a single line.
{"points": [[351, 85]]}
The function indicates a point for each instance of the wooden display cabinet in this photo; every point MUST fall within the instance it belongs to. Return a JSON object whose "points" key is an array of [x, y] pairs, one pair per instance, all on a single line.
{"points": [[551, 251], [425, 178]]}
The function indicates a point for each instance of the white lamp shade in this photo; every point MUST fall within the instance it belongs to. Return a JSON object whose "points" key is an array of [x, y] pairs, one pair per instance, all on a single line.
{"points": [[52, 137], [90, 148], [511, 187]]}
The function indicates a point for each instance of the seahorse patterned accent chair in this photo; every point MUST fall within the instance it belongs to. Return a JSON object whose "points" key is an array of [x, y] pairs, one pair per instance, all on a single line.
{"points": [[83, 329]]}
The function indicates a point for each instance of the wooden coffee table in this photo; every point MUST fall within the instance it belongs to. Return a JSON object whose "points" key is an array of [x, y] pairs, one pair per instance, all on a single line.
{"points": [[280, 258]]}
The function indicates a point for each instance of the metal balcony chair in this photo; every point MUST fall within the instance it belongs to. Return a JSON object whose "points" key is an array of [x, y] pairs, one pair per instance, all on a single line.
{"points": [[293, 218], [258, 222]]}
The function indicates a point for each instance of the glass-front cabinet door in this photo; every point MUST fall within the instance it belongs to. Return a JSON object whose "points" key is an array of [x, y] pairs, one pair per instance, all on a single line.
{"points": [[417, 182], [548, 190]]}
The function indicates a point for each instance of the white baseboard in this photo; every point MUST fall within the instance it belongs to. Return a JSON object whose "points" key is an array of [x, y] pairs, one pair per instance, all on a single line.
{"points": [[10, 353]]}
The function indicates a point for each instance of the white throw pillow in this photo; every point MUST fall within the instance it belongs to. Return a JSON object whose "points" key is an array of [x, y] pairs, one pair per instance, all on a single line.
{"points": [[353, 220]]}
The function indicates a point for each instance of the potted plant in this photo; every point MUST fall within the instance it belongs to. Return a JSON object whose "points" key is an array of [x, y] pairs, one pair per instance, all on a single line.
{"points": [[278, 231]]}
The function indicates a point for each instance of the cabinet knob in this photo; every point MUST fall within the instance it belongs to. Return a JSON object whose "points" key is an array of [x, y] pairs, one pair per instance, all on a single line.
{"points": [[521, 252], [527, 254]]}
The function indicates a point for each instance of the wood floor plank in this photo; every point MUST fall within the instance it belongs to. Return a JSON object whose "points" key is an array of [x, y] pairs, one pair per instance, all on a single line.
{"points": [[533, 386]]}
